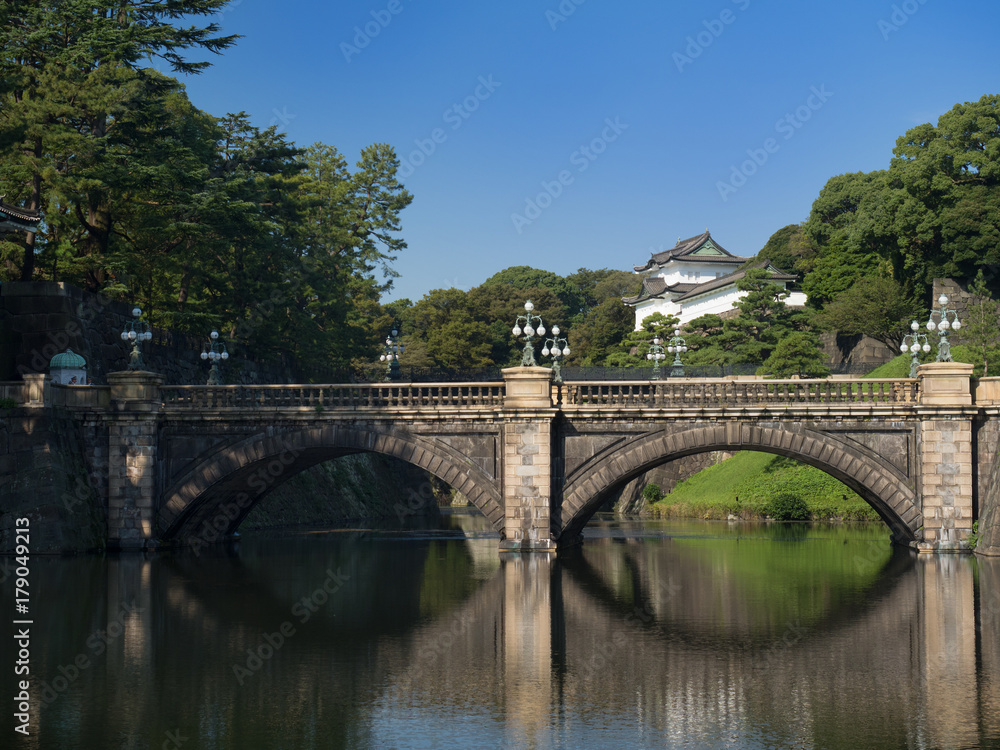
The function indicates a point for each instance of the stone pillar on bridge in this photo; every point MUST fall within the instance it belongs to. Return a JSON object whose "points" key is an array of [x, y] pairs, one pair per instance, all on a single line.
{"points": [[527, 460], [135, 403], [946, 457]]}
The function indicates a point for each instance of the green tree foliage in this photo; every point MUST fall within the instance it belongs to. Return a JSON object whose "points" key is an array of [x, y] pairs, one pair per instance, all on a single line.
{"points": [[934, 213], [763, 320], [790, 249], [597, 287], [76, 95], [600, 334], [348, 243], [946, 185], [980, 327], [874, 306], [852, 232], [455, 329], [632, 350], [526, 279], [203, 221], [797, 354]]}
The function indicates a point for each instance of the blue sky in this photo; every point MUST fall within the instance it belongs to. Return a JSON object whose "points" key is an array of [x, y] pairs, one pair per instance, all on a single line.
{"points": [[589, 133]]}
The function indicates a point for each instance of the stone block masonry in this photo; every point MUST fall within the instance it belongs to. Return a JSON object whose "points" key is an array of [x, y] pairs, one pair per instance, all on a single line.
{"points": [[132, 448], [50, 473], [527, 460], [42, 318], [947, 462], [947, 477]]}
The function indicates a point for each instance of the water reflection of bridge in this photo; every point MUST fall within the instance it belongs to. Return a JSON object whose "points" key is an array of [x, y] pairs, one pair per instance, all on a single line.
{"points": [[611, 635]]}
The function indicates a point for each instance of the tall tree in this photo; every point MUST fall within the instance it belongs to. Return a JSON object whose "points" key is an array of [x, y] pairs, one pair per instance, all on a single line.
{"points": [[601, 333], [526, 278], [790, 249], [349, 240], [70, 75], [851, 227], [750, 337], [877, 307], [633, 348], [596, 287], [979, 329], [947, 183], [796, 355]]}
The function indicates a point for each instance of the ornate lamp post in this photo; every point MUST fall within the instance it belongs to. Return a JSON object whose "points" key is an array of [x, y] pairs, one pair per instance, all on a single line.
{"points": [[676, 346], [136, 331], [391, 355], [942, 326], [214, 351], [532, 326], [914, 343], [557, 348], [655, 354]]}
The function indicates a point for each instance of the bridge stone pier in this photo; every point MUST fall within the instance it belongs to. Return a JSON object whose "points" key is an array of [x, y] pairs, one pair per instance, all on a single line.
{"points": [[185, 464]]}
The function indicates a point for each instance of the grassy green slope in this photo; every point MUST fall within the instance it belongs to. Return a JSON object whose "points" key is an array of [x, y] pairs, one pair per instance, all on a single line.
{"points": [[744, 485]]}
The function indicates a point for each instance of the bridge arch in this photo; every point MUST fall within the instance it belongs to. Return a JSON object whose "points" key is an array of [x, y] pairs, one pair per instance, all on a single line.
{"points": [[211, 499], [882, 485]]}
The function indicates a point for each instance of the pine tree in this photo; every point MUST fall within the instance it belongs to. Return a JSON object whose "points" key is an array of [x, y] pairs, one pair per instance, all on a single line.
{"points": [[979, 329], [73, 76]]}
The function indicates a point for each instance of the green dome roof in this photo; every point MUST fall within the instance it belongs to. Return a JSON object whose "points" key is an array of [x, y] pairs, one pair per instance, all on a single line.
{"points": [[67, 360]]}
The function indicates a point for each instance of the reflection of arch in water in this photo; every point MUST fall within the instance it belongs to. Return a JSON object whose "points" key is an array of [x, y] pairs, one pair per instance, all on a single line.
{"points": [[565, 632], [221, 489], [653, 593], [879, 483]]}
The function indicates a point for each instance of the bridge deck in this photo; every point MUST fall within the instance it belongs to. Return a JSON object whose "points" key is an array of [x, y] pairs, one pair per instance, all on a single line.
{"points": [[662, 394]]}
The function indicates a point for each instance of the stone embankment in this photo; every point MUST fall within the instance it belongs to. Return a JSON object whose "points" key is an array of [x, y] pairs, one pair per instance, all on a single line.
{"points": [[44, 451]]}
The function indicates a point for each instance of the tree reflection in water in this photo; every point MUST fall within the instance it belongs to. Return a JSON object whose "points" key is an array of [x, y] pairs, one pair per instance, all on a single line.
{"points": [[678, 635]]}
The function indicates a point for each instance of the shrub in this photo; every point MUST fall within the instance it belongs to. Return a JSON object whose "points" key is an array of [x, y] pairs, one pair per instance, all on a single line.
{"points": [[787, 506], [652, 493], [973, 539]]}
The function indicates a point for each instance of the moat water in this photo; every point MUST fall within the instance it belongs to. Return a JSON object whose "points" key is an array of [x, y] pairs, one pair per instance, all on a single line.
{"points": [[651, 634]]}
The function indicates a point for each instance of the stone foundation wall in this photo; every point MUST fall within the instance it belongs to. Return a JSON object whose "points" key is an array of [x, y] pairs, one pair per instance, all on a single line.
{"points": [[855, 350], [41, 319], [629, 501], [45, 477], [988, 500]]}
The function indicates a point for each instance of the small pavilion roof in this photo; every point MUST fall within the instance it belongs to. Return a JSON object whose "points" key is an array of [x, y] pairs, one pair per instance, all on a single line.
{"points": [[15, 219], [690, 247]]}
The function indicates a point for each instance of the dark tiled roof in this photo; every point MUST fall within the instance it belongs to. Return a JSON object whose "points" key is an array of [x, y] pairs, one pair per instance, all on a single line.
{"points": [[688, 246], [21, 215], [732, 278], [655, 286]]}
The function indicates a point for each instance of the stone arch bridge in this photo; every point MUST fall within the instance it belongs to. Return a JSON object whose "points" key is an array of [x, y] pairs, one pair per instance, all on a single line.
{"points": [[187, 463]]}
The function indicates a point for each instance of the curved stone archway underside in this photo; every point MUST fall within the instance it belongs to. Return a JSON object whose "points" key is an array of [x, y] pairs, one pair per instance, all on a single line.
{"points": [[882, 485], [212, 499]]}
